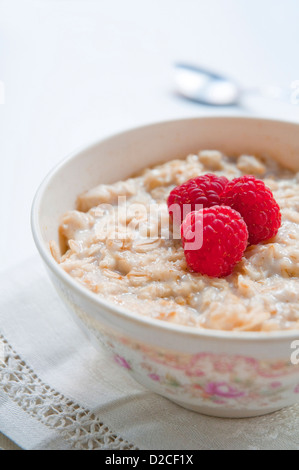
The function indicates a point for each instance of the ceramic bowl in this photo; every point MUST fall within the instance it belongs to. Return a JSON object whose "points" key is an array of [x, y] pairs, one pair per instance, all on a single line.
{"points": [[219, 373]]}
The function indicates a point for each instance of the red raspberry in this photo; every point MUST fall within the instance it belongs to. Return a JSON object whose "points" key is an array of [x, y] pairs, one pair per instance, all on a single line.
{"points": [[205, 190], [224, 240], [256, 204]]}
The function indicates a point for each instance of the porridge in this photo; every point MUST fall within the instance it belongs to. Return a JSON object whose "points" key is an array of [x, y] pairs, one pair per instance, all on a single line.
{"points": [[139, 265]]}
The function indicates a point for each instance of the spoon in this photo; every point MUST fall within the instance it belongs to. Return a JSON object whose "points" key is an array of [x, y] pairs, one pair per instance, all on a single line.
{"points": [[206, 87]]}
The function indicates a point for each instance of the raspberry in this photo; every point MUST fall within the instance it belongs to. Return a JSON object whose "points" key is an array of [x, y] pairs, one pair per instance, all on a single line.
{"points": [[205, 190], [224, 240], [256, 204]]}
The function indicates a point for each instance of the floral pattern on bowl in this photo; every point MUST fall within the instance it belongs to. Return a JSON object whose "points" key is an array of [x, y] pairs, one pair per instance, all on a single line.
{"points": [[206, 380], [217, 378]]}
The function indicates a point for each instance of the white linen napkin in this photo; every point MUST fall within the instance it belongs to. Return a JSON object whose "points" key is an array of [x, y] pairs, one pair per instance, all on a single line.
{"points": [[58, 392]]}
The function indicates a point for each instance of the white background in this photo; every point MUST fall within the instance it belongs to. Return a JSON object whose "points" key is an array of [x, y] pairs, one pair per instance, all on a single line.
{"points": [[75, 71]]}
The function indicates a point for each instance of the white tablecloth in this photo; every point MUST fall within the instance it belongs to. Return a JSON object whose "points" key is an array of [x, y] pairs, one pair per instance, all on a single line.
{"points": [[58, 392]]}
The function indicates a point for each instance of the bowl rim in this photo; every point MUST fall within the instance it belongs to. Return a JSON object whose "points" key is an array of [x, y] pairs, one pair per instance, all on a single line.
{"points": [[50, 262]]}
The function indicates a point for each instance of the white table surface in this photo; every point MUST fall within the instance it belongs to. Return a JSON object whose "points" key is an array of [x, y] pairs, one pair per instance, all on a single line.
{"points": [[75, 71]]}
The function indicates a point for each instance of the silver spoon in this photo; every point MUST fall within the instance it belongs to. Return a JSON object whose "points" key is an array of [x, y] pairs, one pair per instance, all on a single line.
{"points": [[206, 87]]}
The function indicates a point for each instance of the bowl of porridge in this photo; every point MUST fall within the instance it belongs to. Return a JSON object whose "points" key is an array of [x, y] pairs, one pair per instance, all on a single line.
{"points": [[223, 346]]}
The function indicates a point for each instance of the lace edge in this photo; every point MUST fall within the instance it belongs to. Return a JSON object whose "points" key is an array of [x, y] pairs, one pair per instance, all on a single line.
{"points": [[82, 428]]}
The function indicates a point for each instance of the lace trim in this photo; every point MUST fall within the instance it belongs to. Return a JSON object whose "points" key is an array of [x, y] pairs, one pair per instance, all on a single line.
{"points": [[82, 428]]}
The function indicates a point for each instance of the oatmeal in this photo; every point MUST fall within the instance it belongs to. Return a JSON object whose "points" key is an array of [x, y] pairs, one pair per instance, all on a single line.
{"points": [[139, 265]]}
